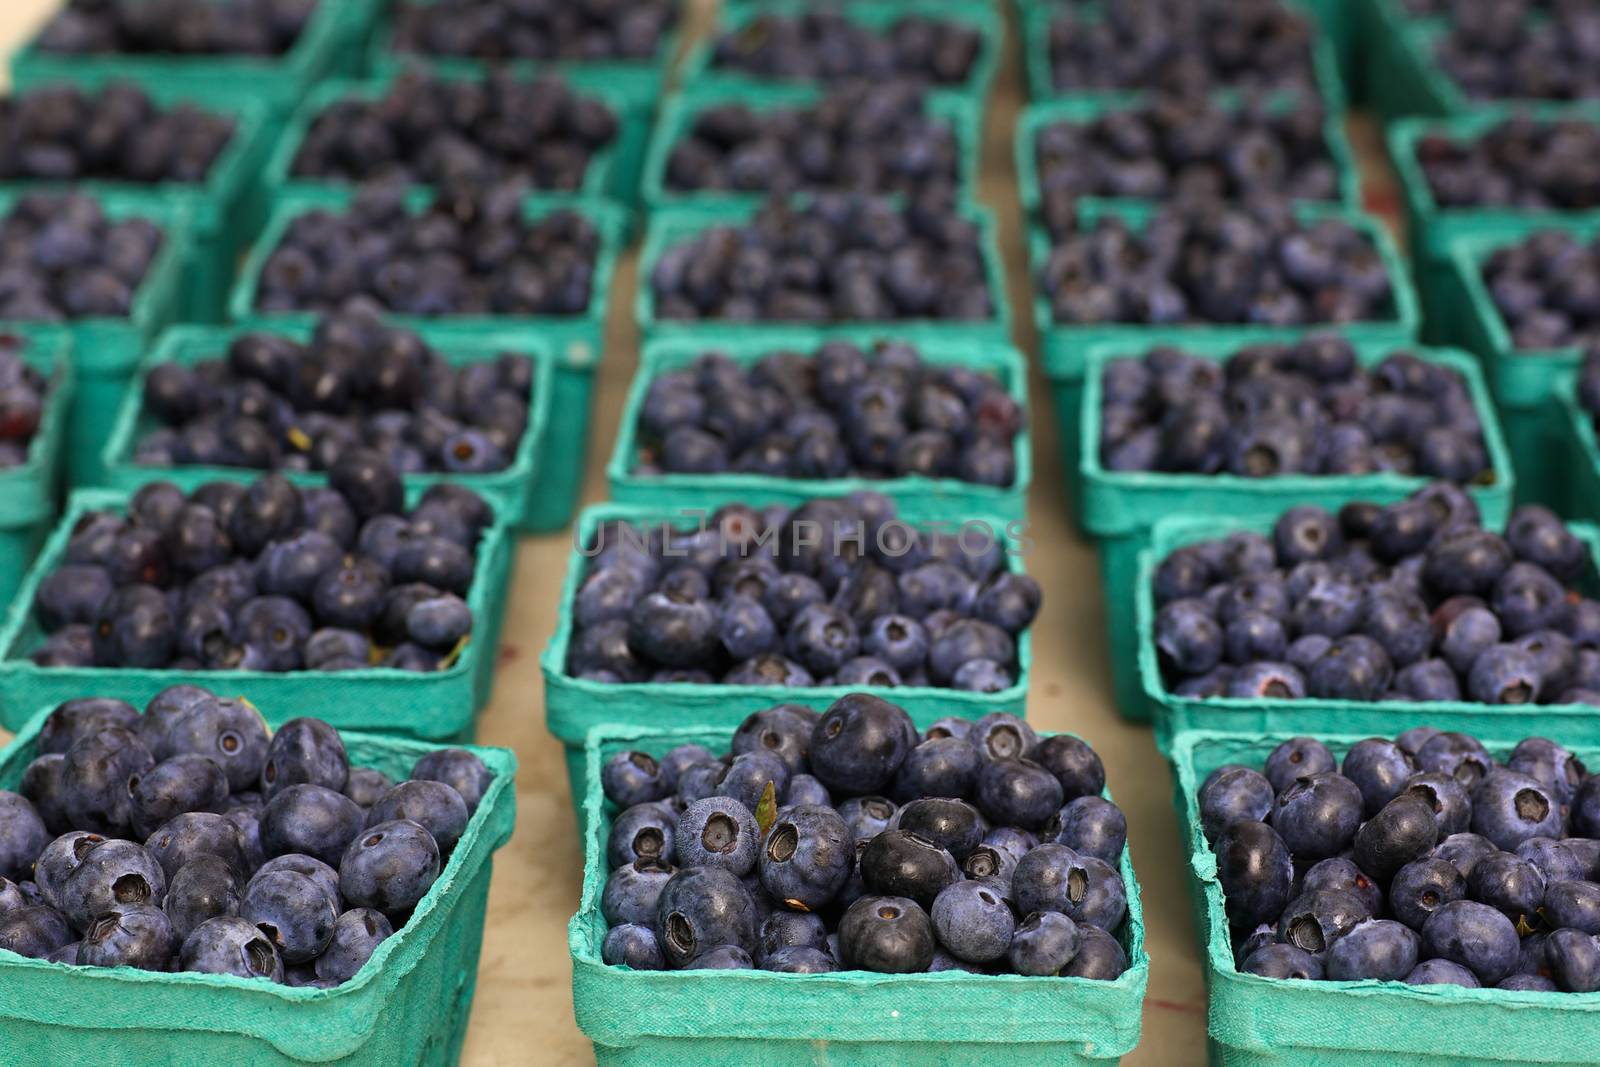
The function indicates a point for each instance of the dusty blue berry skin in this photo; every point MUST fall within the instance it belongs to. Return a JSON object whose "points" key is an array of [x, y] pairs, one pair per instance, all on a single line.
{"points": [[1297, 757], [804, 789], [644, 830], [972, 921], [718, 832], [116, 872], [1422, 887], [230, 945], [1255, 870], [389, 867], [304, 752], [1278, 960], [790, 929], [1474, 935], [703, 908], [859, 744], [295, 913], [35, 931], [59, 859], [799, 959], [1573, 958], [130, 935], [1339, 872], [22, 835], [1379, 768], [312, 820], [434, 805], [1379, 949], [204, 888], [940, 767], [632, 890], [1508, 883], [1508, 808], [197, 833], [1104, 902], [1446, 796], [1442, 972], [1464, 851], [1046, 878], [1313, 921], [1044, 944], [459, 769], [1099, 956], [632, 945], [1317, 815], [356, 936], [1093, 826], [1233, 795], [1573, 906], [806, 857], [748, 776], [1017, 792]]}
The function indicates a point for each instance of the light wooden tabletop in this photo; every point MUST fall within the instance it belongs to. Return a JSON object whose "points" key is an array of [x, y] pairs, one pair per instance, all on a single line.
{"points": [[523, 1010]]}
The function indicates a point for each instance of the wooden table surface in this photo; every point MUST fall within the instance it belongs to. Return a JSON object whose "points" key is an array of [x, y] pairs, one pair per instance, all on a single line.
{"points": [[523, 1010]]}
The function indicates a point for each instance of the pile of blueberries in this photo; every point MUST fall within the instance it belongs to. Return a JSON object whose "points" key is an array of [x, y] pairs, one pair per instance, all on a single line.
{"points": [[825, 46], [996, 854], [472, 252], [427, 130], [1511, 50], [1303, 407], [64, 133], [272, 403], [835, 592], [1547, 287], [1519, 162], [839, 412], [61, 258], [864, 138], [24, 391], [177, 27], [559, 29], [1202, 261], [1189, 48], [1414, 601], [1422, 860], [836, 258], [1176, 148], [266, 576], [262, 856]]}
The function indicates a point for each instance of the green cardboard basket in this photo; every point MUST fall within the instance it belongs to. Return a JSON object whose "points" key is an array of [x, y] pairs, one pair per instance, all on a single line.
{"points": [[1574, 723], [918, 497], [510, 489], [605, 176], [1036, 18], [223, 210], [577, 341], [639, 81], [1524, 382], [437, 706], [699, 70], [1063, 348], [409, 1004], [1581, 456], [325, 47], [846, 1019], [29, 493], [1081, 111], [1432, 228], [679, 225], [574, 706], [683, 108], [1121, 508], [104, 351], [1265, 1022]]}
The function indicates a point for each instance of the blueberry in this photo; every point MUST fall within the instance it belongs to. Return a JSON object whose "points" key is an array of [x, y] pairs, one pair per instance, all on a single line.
{"points": [[1298, 757], [1255, 870], [230, 732], [630, 778], [748, 775], [783, 731], [1099, 957], [460, 770], [1574, 960], [193, 834], [1314, 921], [703, 908], [204, 888], [940, 767], [1092, 826], [1403, 830], [1422, 887], [632, 945], [389, 867], [867, 817], [1473, 935], [112, 873], [22, 835], [364, 785], [886, 934], [77, 719], [806, 857], [356, 936], [1445, 796], [633, 889], [1509, 808], [1340, 873], [58, 859], [720, 832], [1232, 795], [900, 863], [1458, 755], [1442, 972], [1317, 815], [35, 931], [1550, 764], [1573, 905], [1187, 638], [1465, 851], [1076, 766], [185, 783], [1017, 792], [1376, 949], [644, 830], [953, 825], [230, 945], [1379, 769], [433, 805], [859, 744], [312, 820], [799, 959], [1283, 961], [785, 929], [1509, 883]]}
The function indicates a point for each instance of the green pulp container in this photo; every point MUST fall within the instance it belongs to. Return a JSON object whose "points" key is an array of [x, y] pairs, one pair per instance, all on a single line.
{"points": [[29, 493], [435, 706], [104, 351], [1573, 723], [1582, 454], [1036, 17], [223, 211], [1432, 228], [1064, 348], [510, 489], [639, 81], [577, 341], [574, 706], [844, 1019], [919, 497], [1524, 382], [1120, 509], [1266, 1022], [680, 225], [700, 71], [606, 176], [408, 1004], [1082, 111], [682, 109], [326, 47]]}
